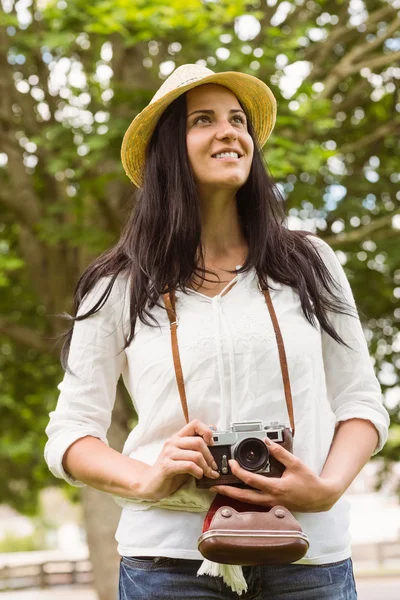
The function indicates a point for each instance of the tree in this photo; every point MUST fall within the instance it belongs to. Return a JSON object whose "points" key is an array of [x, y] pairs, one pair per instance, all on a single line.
{"points": [[72, 77]]}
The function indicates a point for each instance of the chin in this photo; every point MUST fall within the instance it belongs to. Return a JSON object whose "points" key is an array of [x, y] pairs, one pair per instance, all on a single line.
{"points": [[233, 182], [230, 180]]}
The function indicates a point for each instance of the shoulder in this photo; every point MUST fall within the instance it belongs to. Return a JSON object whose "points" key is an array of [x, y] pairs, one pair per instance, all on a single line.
{"points": [[107, 294], [318, 243], [310, 238], [333, 265], [324, 250]]}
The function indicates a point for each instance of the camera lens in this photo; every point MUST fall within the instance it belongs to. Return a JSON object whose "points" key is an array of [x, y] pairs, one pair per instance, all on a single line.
{"points": [[252, 454]]}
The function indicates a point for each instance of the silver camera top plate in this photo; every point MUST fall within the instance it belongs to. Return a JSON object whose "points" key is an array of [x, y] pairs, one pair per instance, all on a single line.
{"points": [[247, 426]]}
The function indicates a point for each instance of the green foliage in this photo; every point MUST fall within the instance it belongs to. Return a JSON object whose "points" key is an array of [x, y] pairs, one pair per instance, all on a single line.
{"points": [[28, 383], [8, 264]]}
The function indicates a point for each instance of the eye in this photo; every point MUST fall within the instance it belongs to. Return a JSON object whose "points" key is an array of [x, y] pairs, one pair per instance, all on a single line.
{"points": [[241, 119], [201, 117]]}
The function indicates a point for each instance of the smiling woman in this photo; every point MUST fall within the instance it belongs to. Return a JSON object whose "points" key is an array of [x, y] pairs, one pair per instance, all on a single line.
{"points": [[206, 240]]}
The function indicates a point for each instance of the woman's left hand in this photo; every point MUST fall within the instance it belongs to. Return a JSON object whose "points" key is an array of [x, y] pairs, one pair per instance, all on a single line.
{"points": [[299, 489]]}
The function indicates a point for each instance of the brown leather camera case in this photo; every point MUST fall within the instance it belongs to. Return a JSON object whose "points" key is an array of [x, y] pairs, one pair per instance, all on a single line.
{"points": [[253, 538]]}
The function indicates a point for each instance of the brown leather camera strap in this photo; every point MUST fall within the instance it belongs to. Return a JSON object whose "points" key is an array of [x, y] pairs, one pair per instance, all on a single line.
{"points": [[170, 304], [282, 359], [169, 301]]}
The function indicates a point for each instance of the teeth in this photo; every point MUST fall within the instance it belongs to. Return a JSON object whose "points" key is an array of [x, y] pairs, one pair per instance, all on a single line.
{"points": [[232, 154]]}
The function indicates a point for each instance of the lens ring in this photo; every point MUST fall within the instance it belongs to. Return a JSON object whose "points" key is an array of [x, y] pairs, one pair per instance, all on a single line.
{"points": [[252, 454]]}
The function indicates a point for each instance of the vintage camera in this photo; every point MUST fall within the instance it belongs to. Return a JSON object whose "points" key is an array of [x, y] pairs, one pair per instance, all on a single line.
{"points": [[244, 441]]}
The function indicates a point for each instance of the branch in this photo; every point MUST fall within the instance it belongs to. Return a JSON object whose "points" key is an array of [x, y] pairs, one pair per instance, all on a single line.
{"points": [[353, 97], [362, 232], [386, 234], [348, 65], [381, 13], [346, 68], [27, 337], [368, 46], [377, 61], [323, 49], [387, 129]]}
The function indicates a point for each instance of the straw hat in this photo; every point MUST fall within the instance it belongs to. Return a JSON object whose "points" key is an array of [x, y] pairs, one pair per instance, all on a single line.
{"points": [[254, 95]]}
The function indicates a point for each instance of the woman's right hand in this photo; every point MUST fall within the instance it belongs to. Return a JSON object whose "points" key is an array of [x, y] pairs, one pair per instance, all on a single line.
{"points": [[184, 454]]}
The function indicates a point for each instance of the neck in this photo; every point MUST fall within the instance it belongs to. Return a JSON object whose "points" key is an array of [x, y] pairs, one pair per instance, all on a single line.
{"points": [[222, 234]]}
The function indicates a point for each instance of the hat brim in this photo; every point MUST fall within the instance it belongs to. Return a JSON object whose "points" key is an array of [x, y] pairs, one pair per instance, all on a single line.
{"points": [[254, 95]]}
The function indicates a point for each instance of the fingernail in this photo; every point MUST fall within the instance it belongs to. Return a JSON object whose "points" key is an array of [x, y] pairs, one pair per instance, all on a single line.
{"points": [[213, 489], [214, 465], [268, 441], [214, 474], [231, 463]]}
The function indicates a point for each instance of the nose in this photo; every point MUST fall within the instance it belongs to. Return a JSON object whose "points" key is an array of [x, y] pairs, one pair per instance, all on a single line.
{"points": [[226, 130]]}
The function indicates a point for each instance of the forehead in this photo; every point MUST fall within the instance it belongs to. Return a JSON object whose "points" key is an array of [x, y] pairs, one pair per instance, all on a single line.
{"points": [[212, 94]]}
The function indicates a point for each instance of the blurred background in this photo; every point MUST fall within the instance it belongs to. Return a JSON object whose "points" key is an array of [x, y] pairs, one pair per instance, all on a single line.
{"points": [[73, 74]]}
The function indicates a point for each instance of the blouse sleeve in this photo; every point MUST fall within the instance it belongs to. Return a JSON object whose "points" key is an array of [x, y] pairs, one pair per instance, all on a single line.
{"points": [[87, 396], [353, 389]]}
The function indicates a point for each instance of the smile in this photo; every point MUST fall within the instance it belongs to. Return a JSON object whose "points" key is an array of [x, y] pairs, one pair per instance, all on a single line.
{"points": [[227, 156]]}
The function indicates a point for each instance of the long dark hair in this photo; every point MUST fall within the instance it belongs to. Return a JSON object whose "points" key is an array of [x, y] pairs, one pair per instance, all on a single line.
{"points": [[160, 246]]}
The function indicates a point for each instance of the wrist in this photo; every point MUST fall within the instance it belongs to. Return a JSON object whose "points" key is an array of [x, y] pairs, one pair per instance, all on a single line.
{"points": [[333, 489], [140, 484]]}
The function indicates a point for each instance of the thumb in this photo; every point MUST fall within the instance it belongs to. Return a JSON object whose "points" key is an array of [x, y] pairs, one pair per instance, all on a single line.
{"points": [[281, 454]]}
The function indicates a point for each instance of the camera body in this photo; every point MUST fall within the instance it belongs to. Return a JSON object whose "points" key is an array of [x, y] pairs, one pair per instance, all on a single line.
{"points": [[244, 442]]}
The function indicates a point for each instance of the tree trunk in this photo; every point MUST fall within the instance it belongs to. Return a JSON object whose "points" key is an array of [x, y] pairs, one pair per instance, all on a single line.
{"points": [[101, 513], [101, 516]]}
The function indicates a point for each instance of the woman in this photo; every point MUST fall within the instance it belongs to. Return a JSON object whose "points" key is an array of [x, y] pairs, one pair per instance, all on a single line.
{"points": [[209, 225]]}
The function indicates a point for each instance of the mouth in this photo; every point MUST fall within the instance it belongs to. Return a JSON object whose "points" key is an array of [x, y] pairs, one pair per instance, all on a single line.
{"points": [[227, 156]]}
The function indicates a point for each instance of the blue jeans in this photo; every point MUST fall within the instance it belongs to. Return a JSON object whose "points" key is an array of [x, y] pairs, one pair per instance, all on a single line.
{"points": [[175, 579]]}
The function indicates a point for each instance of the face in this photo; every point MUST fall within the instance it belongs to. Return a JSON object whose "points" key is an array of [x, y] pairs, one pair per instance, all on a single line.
{"points": [[216, 123]]}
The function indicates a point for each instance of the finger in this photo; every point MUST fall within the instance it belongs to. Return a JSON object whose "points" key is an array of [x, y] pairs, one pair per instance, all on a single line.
{"points": [[197, 427], [259, 482], [196, 457], [198, 444], [179, 467], [282, 455], [250, 496]]}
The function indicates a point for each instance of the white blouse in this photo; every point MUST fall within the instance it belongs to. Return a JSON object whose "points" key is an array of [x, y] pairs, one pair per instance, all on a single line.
{"points": [[232, 373]]}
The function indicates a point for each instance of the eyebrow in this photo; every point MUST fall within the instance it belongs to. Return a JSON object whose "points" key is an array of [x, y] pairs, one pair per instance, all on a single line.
{"points": [[211, 112]]}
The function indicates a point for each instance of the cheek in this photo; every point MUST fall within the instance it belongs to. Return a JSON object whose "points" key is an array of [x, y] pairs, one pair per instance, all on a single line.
{"points": [[248, 144], [251, 156], [193, 150]]}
